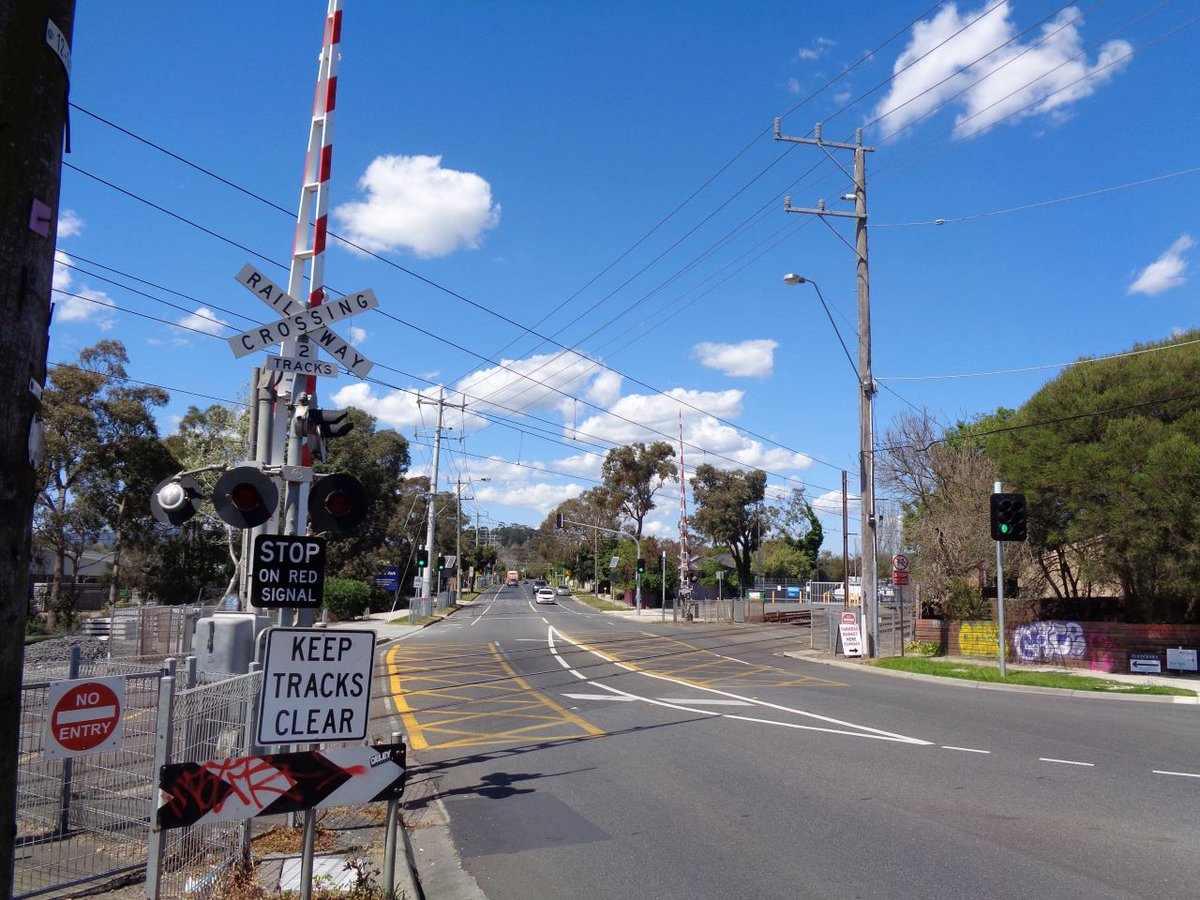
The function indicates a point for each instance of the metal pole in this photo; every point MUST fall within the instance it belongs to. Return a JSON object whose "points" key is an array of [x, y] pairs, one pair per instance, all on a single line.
{"points": [[390, 837], [637, 576], [162, 755], [246, 828], [1000, 595], [663, 608], [308, 847], [846, 546], [458, 567], [68, 769]]}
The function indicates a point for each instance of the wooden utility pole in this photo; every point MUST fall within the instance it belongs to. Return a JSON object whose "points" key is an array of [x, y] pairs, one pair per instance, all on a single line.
{"points": [[35, 59]]}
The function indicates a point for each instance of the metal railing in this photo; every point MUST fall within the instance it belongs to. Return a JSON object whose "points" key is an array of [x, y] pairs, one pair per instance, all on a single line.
{"points": [[83, 820]]}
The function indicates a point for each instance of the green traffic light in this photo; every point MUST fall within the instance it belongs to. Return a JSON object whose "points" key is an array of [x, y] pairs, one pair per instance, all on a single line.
{"points": [[1004, 529]]}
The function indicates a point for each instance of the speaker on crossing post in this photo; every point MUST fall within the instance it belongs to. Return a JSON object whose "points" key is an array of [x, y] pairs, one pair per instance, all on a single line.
{"points": [[174, 499], [337, 504], [245, 497]]}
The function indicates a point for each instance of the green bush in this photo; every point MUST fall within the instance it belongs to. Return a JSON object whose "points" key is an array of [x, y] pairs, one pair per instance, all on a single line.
{"points": [[924, 648], [964, 601], [346, 599]]}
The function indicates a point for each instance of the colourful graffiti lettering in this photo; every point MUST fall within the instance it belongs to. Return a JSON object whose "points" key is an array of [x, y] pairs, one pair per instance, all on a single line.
{"points": [[1049, 641], [978, 638]]}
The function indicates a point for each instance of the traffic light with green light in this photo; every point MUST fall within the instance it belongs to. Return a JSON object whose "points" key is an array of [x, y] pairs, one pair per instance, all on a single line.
{"points": [[641, 565], [1010, 517], [422, 558]]}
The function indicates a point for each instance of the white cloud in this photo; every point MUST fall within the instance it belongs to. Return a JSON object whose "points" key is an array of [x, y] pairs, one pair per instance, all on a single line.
{"points": [[793, 86], [1167, 271], [817, 49], [395, 408], [204, 319], [358, 335], [532, 495], [950, 59], [413, 202], [82, 304], [69, 224], [538, 383], [748, 359]]}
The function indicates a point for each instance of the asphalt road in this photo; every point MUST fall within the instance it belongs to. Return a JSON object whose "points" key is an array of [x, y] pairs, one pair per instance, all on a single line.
{"points": [[581, 755]]}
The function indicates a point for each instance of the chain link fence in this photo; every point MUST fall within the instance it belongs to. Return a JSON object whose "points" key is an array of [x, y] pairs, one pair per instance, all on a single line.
{"points": [[214, 720], [83, 820]]}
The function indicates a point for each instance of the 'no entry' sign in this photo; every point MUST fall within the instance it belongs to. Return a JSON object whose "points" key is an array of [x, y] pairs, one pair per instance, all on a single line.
{"points": [[84, 717]]}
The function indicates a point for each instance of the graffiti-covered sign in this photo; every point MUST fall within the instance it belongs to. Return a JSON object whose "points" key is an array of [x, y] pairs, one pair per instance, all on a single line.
{"points": [[226, 790]]}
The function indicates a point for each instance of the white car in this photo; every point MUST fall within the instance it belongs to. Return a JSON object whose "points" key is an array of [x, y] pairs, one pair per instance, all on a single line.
{"points": [[545, 595]]}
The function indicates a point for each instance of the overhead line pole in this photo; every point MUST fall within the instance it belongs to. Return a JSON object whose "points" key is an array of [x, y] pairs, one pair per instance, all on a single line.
{"points": [[431, 524], [866, 398]]}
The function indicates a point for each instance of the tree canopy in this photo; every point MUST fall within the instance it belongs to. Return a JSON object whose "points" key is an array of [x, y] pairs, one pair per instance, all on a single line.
{"points": [[634, 472], [730, 511]]}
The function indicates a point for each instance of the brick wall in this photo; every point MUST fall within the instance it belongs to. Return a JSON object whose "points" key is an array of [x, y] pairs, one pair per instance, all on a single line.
{"points": [[1102, 646]]}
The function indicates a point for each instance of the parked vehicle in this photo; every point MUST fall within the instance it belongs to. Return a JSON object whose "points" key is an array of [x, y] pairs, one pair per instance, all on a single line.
{"points": [[562, 591]]}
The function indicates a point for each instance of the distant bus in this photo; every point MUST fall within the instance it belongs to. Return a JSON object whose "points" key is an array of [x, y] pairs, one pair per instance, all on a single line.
{"points": [[513, 578]]}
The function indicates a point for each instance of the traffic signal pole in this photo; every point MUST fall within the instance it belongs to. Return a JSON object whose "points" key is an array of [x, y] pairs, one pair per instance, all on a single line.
{"points": [[1000, 592]]}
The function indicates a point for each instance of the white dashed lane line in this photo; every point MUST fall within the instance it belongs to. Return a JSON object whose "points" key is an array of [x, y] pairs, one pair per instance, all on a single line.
{"points": [[1180, 774], [964, 749], [1066, 762]]}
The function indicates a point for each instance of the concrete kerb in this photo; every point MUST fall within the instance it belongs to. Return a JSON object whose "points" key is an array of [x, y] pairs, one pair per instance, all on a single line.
{"points": [[1019, 688]]}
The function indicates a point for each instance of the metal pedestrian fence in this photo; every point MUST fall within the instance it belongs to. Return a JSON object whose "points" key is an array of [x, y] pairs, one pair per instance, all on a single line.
{"points": [[83, 820], [208, 721]]}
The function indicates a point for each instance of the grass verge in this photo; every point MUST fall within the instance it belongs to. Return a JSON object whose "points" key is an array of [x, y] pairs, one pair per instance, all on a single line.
{"points": [[991, 675], [596, 603]]}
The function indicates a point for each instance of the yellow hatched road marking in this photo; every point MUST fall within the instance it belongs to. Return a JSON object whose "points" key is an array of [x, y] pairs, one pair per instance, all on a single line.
{"points": [[485, 694], [680, 667]]}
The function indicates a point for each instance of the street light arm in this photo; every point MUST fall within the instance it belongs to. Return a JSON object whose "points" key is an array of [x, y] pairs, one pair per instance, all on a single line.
{"points": [[800, 279]]}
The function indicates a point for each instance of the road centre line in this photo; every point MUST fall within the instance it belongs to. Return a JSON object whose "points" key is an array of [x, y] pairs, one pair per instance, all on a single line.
{"points": [[1066, 762], [1180, 774], [612, 697], [864, 731], [964, 749], [703, 701]]}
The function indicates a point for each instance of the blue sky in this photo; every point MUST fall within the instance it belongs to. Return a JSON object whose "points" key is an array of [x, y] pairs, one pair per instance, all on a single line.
{"points": [[604, 176]]}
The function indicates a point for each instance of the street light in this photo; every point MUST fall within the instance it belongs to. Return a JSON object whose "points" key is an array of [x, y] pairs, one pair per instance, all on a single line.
{"points": [[866, 440]]}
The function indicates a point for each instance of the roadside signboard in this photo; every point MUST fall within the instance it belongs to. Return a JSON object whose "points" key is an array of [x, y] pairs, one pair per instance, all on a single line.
{"points": [[851, 636], [1144, 662], [900, 570], [1180, 659], [288, 571], [85, 717], [388, 578], [316, 686], [307, 320]]}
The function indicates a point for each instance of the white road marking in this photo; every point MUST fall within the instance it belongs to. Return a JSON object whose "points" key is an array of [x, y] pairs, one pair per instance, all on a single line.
{"points": [[964, 749], [731, 659], [1066, 762], [577, 674], [706, 701], [1180, 774], [862, 732], [612, 697]]}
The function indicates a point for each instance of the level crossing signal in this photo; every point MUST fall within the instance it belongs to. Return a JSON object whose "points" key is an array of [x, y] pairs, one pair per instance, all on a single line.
{"points": [[1010, 517], [245, 497], [174, 499], [337, 504]]}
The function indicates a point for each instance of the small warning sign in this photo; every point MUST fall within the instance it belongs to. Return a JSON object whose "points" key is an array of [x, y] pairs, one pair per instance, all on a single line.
{"points": [[85, 717]]}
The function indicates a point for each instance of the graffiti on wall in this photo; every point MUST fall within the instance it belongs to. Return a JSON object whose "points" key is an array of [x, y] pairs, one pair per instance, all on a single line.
{"points": [[1049, 642], [978, 639]]}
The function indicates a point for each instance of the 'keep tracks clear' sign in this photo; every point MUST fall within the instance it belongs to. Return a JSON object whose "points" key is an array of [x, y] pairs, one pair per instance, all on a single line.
{"points": [[316, 685]]}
